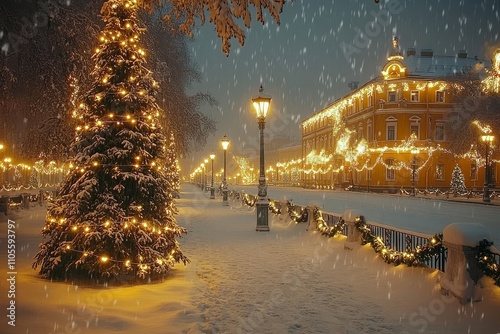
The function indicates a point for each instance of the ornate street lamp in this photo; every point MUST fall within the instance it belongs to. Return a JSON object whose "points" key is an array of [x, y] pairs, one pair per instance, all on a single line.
{"points": [[202, 176], [225, 144], [261, 105], [205, 175], [413, 171], [487, 139], [212, 190]]}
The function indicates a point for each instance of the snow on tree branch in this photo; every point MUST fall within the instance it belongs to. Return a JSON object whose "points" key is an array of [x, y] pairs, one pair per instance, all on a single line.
{"points": [[222, 13]]}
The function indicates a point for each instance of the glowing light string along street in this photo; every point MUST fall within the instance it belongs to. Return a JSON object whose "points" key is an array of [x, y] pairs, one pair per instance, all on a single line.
{"points": [[41, 167], [405, 146]]}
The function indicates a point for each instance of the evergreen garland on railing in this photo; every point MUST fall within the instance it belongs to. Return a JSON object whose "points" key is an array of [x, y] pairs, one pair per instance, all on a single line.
{"points": [[417, 257], [322, 226], [437, 192], [301, 217], [486, 261], [249, 200], [273, 207]]}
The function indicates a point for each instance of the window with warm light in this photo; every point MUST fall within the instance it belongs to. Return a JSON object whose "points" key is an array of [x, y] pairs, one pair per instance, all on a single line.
{"points": [[391, 131], [440, 96], [415, 96], [391, 96], [390, 172]]}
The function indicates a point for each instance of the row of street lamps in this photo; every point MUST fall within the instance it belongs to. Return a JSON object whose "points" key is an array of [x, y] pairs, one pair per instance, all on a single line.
{"points": [[261, 104]]}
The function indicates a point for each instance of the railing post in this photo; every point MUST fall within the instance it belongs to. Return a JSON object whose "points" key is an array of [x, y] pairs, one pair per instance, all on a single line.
{"points": [[40, 197], [4, 204], [311, 222], [462, 271], [26, 200], [353, 235]]}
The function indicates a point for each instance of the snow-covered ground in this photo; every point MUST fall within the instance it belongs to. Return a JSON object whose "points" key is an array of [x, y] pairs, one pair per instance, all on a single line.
{"points": [[288, 280]]}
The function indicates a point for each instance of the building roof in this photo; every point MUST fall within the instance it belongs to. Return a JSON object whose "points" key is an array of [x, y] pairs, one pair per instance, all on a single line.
{"points": [[425, 65], [429, 65]]}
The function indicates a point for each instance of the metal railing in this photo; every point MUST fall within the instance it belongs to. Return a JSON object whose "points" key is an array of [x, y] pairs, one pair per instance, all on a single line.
{"points": [[397, 239]]}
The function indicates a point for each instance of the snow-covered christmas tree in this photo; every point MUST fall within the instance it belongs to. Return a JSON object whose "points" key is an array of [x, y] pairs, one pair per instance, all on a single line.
{"points": [[114, 216], [457, 180]]}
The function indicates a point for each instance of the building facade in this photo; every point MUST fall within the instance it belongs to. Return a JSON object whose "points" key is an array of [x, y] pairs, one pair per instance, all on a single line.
{"points": [[390, 133]]}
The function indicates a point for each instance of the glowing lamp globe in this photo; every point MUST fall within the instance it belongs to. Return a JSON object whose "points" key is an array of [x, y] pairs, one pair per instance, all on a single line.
{"points": [[487, 138], [224, 142], [261, 104]]}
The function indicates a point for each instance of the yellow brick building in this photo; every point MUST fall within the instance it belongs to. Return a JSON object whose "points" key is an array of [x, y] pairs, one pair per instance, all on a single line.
{"points": [[390, 132]]}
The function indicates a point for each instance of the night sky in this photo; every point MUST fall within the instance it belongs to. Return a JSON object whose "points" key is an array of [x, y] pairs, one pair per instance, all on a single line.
{"points": [[303, 66]]}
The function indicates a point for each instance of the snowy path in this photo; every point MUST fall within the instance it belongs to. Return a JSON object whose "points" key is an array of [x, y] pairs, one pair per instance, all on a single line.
{"points": [[294, 281], [425, 215], [288, 280]]}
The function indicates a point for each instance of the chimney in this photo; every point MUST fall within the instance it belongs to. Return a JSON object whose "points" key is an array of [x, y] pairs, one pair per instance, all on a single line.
{"points": [[426, 53], [410, 52], [353, 85], [462, 54]]}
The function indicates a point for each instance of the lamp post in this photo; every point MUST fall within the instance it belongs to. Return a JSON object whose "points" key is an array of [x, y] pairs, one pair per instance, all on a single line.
{"points": [[487, 139], [413, 171], [205, 175], [2, 173], [261, 105], [212, 190], [200, 177], [225, 144]]}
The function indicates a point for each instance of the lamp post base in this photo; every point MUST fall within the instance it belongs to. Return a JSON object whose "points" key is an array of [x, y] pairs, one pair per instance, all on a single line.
{"points": [[486, 194], [262, 215], [212, 193], [224, 197]]}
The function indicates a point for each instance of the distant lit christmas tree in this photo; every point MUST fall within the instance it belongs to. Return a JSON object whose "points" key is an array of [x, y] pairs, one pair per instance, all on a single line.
{"points": [[457, 180], [114, 215], [33, 179]]}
